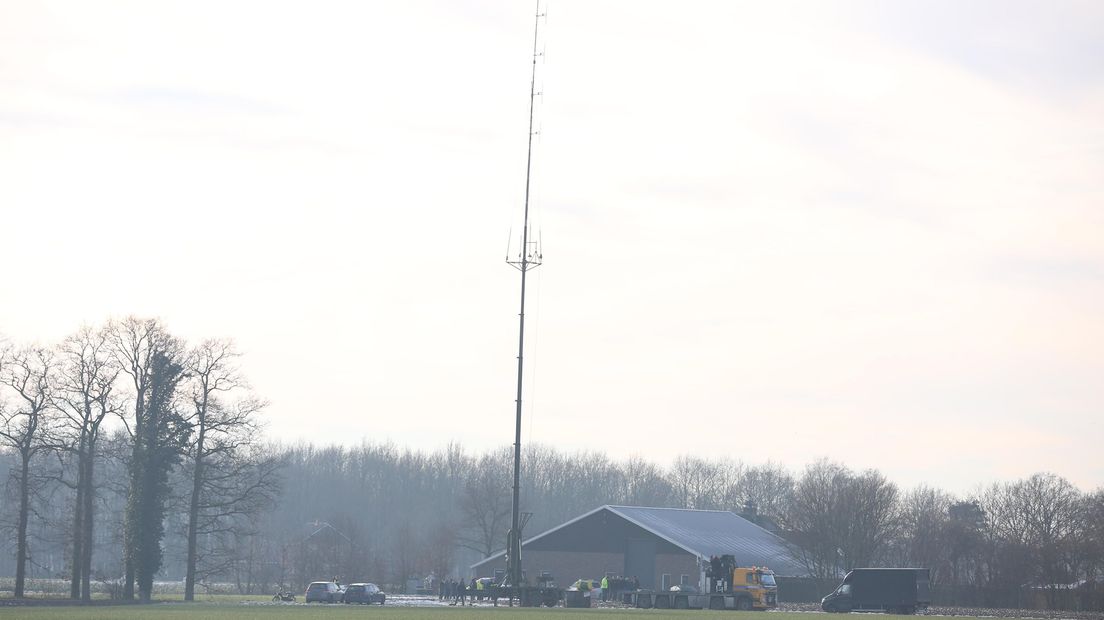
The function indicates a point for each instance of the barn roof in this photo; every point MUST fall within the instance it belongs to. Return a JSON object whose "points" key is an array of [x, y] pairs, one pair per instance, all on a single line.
{"points": [[702, 533]]}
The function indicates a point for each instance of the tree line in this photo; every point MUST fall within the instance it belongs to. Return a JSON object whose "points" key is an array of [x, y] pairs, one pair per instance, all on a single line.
{"points": [[183, 418], [183, 487]]}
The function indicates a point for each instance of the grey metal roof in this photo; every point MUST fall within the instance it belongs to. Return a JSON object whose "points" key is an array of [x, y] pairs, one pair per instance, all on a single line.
{"points": [[716, 532], [703, 533]]}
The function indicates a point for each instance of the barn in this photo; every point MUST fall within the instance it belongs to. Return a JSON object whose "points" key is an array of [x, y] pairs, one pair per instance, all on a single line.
{"points": [[661, 547]]}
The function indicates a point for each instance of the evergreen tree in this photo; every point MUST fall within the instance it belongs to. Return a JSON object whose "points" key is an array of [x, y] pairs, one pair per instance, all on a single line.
{"points": [[158, 445]]}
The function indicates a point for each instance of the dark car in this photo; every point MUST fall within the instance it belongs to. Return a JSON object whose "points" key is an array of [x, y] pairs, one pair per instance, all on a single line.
{"points": [[364, 593], [323, 592]]}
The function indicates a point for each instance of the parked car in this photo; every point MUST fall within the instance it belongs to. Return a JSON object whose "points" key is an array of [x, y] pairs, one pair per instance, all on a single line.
{"points": [[323, 592], [364, 593]]}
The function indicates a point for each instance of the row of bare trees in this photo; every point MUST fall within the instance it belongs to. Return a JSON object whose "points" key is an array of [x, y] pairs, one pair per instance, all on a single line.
{"points": [[175, 411], [379, 512], [1041, 530], [126, 448]]}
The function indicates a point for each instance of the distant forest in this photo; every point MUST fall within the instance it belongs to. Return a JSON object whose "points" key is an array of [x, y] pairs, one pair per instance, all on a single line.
{"points": [[187, 489]]}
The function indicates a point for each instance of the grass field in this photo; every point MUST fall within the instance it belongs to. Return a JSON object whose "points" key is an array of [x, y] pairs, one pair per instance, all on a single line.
{"points": [[201, 611], [220, 611]]}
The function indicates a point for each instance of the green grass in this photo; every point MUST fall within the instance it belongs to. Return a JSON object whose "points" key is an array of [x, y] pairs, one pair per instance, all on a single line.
{"points": [[217, 611], [237, 611], [203, 611]]}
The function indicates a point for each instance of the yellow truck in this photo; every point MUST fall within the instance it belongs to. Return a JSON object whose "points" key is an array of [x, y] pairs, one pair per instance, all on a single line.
{"points": [[742, 588], [753, 588]]}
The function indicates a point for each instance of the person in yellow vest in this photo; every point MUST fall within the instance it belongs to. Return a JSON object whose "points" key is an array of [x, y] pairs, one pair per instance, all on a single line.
{"points": [[605, 588]]}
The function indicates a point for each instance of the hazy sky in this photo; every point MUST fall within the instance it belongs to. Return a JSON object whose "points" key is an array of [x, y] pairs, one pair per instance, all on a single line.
{"points": [[869, 231]]}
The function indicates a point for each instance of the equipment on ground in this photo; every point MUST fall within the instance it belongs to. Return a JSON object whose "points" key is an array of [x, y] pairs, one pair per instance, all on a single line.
{"points": [[726, 586]]}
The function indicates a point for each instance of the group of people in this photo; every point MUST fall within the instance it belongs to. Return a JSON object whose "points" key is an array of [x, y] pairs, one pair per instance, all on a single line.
{"points": [[456, 591], [609, 588], [612, 587]]}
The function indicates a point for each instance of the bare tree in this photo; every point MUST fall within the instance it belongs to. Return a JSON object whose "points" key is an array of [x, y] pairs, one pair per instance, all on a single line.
{"points": [[1052, 508], [645, 484], [816, 518], [842, 520], [925, 522], [727, 494], [25, 427], [229, 482], [485, 505], [766, 492], [1006, 561], [871, 517], [1093, 515], [698, 483], [403, 549], [438, 550], [559, 486], [85, 395], [238, 486]]}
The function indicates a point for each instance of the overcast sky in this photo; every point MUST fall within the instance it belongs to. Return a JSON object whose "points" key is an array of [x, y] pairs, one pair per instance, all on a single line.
{"points": [[868, 231]]}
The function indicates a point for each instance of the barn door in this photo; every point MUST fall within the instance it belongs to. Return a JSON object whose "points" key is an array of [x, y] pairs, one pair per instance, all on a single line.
{"points": [[640, 561]]}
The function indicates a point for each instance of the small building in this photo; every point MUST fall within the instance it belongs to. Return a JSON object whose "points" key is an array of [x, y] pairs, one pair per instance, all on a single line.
{"points": [[661, 547]]}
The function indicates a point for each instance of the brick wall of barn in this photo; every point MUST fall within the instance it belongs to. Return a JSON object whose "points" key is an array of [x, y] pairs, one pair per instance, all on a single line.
{"points": [[676, 565]]}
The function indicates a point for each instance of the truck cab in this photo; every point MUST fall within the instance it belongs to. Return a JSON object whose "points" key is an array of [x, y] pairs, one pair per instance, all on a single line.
{"points": [[727, 587], [756, 586]]}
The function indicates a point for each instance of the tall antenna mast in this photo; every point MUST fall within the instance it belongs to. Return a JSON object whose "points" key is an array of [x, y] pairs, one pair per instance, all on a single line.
{"points": [[528, 258]]}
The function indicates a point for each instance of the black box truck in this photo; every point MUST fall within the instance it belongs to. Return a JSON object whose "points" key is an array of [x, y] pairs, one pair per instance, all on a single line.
{"points": [[893, 590]]}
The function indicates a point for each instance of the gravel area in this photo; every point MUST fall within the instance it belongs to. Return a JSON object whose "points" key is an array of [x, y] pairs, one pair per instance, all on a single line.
{"points": [[976, 612]]}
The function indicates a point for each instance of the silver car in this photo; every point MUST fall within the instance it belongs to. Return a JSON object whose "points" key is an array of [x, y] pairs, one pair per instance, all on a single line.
{"points": [[323, 592]]}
